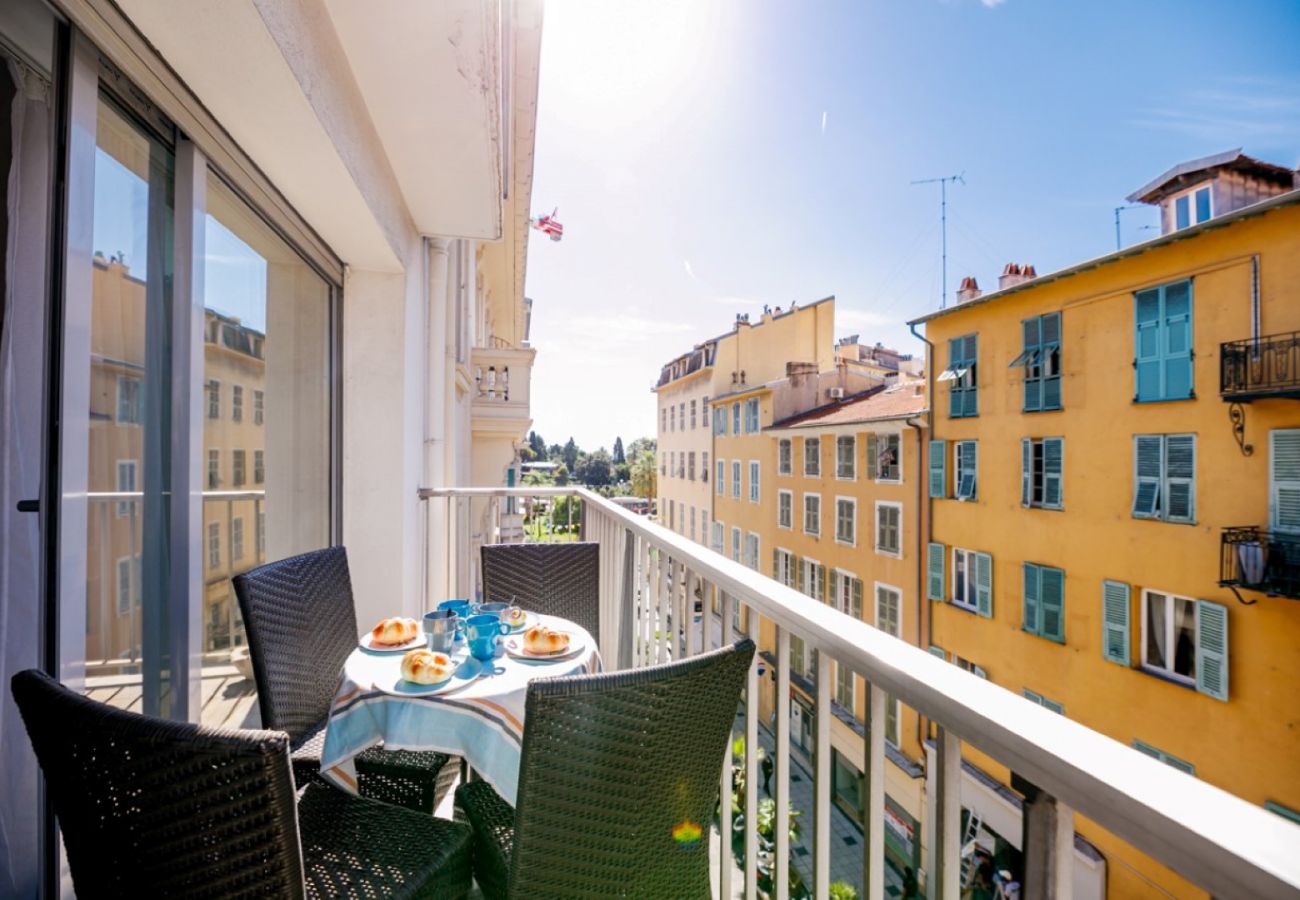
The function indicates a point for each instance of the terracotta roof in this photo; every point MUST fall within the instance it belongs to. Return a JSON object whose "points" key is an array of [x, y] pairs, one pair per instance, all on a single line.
{"points": [[896, 402]]}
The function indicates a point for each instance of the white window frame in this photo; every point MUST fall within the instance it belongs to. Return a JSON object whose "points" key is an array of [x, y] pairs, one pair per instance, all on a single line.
{"points": [[236, 403], [811, 568], [720, 478], [213, 469], [852, 458], [735, 417], [259, 406], [843, 599], [898, 438], [785, 572], [214, 545], [853, 521], [236, 539], [132, 404], [1190, 196], [958, 472], [736, 541], [719, 536], [804, 510], [815, 458], [737, 470], [785, 456], [259, 466], [884, 551], [755, 480], [753, 416], [213, 391], [752, 539], [970, 602], [1171, 649], [124, 507], [786, 497]]}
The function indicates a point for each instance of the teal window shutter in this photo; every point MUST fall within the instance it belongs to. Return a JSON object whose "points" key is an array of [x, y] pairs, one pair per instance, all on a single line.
{"points": [[1053, 471], [971, 346], [1032, 695], [800, 567], [1032, 605], [938, 468], [835, 585], [1051, 598], [1148, 451], [1147, 358], [857, 598], [937, 651], [1115, 605], [984, 585], [934, 568], [1168, 759], [1177, 340], [1031, 358], [1212, 649], [1026, 471], [871, 456], [1050, 361], [821, 582], [963, 397], [1179, 504]]}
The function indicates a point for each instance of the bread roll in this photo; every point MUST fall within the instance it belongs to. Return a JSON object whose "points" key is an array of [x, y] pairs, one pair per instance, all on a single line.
{"points": [[540, 639], [394, 632], [426, 667]]}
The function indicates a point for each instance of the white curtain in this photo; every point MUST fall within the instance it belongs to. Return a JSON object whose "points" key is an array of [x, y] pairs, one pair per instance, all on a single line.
{"points": [[22, 349]]}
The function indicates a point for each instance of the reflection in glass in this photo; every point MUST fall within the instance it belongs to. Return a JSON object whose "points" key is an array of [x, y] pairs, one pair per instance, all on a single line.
{"points": [[266, 426], [130, 420]]}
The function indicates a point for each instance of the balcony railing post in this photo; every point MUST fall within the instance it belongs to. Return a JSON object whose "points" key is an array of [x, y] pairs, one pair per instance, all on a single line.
{"points": [[947, 852], [627, 618], [874, 814], [751, 766], [780, 828], [822, 837], [1047, 838]]}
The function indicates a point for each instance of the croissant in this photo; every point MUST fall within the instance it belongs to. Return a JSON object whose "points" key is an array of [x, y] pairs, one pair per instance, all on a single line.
{"points": [[426, 667], [393, 632], [540, 639]]}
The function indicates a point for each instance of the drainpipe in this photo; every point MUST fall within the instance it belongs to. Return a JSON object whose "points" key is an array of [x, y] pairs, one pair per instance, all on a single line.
{"points": [[921, 601], [923, 543]]}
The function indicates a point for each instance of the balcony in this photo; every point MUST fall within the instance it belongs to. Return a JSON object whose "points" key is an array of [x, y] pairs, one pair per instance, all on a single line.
{"points": [[1260, 368], [665, 597], [502, 390], [1260, 560]]}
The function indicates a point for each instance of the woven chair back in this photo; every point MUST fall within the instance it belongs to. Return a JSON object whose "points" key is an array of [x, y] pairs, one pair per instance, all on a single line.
{"points": [[154, 808], [618, 782], [552, 579], [301, 624]]}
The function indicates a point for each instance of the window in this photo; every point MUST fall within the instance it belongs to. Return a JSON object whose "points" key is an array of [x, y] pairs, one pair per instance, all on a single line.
{"points": [[1044, 702], [663, 419], [846, 596], [1044, 602], [812, 577], [1168, 759], [681, 415], [784, 509], [259, 467], [125, 592], [735, 479], [693, 407], [718, 530], [1041, 358], [719, 421], [846, 448], [672, 418], [1163, 359], [846, 520], [964, 664], [938, 469], [1192, 208], [751, 550], [889, 528], [127, 470], [972, 581], [1284, 480], [884, 457], [1042, 464], [214, 399], [214, 545], [962, 376], [692, 523], [889, 617], [690, 465], [965, 464], [236, 539], [1164, 477], [261, 535], [704, 526], [259, 407], [754, 481], [751, 416], [214, 469], [812, 514], [720, 479], [238, 462], [735, 417], [812, 457], [236, 403], [704, 467], [130, 400], [735, 543], [783, 563], [1186, 640], [783, 455]]}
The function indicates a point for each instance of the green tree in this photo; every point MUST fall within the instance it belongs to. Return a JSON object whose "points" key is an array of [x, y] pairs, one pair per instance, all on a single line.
{"points": [[571, 455], [645, 475], [537, 444], [566, 510], [562, 475], [618, 456], [595, 469], [639, 446], [555, 453]]}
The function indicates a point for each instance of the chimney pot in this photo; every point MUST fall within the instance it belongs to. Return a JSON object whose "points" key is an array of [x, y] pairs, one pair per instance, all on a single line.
{"points": [[968, 291], [1014, 274]]}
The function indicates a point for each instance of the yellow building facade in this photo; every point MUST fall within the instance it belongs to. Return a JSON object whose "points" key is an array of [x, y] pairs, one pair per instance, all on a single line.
{"points": [[1097, 518]]}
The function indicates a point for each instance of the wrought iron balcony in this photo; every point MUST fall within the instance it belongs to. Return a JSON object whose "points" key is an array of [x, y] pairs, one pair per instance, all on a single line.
{"points": [[1260, 560], [1260, 368]]}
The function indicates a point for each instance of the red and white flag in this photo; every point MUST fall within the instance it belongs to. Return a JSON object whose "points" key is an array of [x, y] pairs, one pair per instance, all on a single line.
{"points": [[549, 225]]}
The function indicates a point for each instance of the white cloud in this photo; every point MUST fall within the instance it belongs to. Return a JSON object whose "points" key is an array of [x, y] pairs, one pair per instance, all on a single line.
{"points": [[686, 264], [823, 121], [989, 4]]}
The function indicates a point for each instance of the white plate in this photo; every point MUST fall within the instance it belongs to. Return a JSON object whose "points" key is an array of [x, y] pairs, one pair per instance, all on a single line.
{"points": [[530, 620], [420, 640], [467, 669], [514, 647]]}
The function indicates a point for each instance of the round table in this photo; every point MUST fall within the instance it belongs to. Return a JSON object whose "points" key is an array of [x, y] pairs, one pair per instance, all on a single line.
{"points": [[479, 716]]}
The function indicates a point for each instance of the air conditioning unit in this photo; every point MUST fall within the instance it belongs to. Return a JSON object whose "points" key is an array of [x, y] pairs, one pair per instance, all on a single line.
{"points": [[835, 393]]}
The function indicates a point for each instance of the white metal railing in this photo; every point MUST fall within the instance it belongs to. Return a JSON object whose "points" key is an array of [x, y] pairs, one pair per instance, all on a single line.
{"points": [[1220, 842]]}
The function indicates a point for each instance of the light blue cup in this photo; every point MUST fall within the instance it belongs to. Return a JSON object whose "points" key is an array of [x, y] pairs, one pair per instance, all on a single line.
{"points": [[440, 627], [462, 609], [482, 632]]}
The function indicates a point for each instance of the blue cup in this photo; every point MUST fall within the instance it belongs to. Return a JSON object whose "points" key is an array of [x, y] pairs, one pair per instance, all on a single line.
{"points": [[462, 610], [482, 632], [496, 608], [440, 626]]}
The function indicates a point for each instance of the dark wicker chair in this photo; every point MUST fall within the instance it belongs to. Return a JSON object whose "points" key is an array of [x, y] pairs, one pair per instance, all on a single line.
{"points": [[154, 808], [301, 625], [618, 784], [552, 579]]}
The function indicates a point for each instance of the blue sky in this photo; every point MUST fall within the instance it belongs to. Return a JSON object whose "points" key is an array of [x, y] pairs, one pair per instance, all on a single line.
{"points": [[710, 157]]}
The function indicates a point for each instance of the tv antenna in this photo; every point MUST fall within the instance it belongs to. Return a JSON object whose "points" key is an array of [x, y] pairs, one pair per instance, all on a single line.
{"points": [[1118, 210], [943, 224]]}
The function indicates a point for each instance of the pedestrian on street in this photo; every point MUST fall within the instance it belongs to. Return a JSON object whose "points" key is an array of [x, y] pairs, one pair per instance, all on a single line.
{"points": [[767, 765]]}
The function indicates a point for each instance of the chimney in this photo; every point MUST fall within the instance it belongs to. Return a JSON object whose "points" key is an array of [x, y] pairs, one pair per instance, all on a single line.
{"points": [[1014, 274], [968, 291]]}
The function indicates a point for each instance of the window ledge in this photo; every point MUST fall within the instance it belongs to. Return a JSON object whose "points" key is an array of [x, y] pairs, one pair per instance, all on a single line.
{"points": [[1050, 639], [1167, 677], [843, 543], [1047, 508], [972, 609], [895, 554]]}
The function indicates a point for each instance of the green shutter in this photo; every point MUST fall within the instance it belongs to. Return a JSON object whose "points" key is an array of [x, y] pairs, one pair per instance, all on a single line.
{"points": [[799, 566], [835, 583], [1180, 478], [1284, 480], [1176, 340], [871, 456], [776, 563], [857, 598], [1053, 472], [1115, 617], [1032, 606], [1031, 330], [1051, 597], [934, 566], [1147, 356], [1032, 695], [938, 468], [821, 582], [1026, 471], [984, 584], [1052, 344], [1212, 649], [1148, 450], [937, 651]]}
